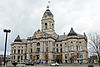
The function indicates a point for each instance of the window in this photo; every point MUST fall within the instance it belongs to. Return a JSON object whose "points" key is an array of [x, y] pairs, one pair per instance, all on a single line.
{"points": [[61, 45], [47, 49], [46, 26], [18, 51], [31, 44], [71, 41], [52, 24], [72, 54], [81, 55], [30, 56], [31, 50], [66, 43], [80, 41], [57, 45], [18, 57], [46, 43], [21, 57], [66, 55], [60, 49], [38, 50], [53, 56], [38, 44], [72, 47], [14, 57], [79, 47], [21, 51], [66, 49], [57, 50], [37, 57], [14, 51]]}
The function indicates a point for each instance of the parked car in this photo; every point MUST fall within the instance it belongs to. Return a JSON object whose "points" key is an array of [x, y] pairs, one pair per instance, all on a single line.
{"points": [[29, 63], [54, 64]]}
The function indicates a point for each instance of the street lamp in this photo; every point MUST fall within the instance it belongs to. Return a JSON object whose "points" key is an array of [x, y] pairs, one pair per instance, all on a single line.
{"points": [[7, 31]]}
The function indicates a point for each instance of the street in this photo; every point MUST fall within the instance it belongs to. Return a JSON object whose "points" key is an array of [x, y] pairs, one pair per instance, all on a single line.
{"points": [[56, 66]]}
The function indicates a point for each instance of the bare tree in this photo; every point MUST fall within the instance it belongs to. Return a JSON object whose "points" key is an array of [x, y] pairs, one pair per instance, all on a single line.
{"points": [[95, 45]]}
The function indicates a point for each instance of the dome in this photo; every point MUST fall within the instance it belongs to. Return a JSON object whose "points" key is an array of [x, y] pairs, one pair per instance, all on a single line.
{"points": [[18, 39], [48, 12], [72, 33]]}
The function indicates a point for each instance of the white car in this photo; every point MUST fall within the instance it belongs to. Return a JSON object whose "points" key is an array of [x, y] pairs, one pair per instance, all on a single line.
{"points": [[54, 64]]}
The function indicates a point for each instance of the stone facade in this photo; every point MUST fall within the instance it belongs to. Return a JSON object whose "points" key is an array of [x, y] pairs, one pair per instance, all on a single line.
{"points": [[47, 46]]}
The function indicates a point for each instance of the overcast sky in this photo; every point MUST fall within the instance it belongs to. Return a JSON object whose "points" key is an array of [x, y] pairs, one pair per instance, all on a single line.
{"points": [[23, 17]]}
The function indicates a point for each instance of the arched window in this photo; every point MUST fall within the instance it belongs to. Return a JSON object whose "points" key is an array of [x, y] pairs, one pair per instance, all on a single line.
{"points": [[38, 44], [46, 26]]}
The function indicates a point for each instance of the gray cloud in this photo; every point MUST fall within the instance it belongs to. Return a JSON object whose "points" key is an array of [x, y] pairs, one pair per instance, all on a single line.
{"points": [[23, 17]]}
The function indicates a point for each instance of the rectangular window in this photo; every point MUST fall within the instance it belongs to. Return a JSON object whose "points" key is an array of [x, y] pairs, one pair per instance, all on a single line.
{"points": [[53, 56], [57, 45], [47, 49], [30, 56], [60, 49], [14, 57], [18, 51], [21, 57], [72, 54], [81, 55], [79, 47], [66, 56], [21, 51], [46, 43], [61, 45], [31, 50], [14, 51], [57, 50], [72, 47], [18, 57], [30, 44], [66, 49], [38, 50]]}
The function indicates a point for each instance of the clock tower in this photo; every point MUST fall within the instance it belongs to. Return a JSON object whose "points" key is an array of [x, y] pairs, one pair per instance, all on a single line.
{"points": [[48, 22]]}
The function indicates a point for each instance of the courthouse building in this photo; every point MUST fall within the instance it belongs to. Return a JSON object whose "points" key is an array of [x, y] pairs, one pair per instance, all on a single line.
{"points": [[47, 46]]}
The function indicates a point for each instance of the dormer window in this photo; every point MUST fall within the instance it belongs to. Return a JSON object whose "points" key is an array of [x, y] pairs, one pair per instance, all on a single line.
{"points": [[46, 26]]}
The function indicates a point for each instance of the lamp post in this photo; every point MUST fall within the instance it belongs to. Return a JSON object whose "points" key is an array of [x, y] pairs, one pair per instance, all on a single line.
{"points": [[6, 31]]}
